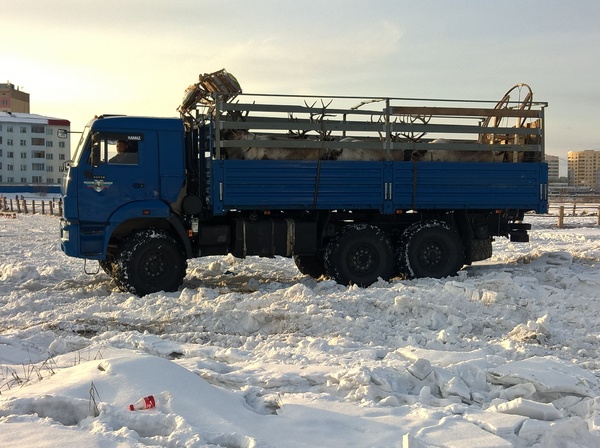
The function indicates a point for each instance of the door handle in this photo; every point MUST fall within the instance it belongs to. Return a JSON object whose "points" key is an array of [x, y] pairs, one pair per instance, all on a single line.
{"points": [[137, 185]]}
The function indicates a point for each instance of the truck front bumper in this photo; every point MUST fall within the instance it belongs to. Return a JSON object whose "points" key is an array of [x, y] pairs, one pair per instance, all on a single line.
{"points": [[69, 236]]}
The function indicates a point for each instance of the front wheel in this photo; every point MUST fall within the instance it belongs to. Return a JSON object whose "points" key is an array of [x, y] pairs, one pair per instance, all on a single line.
{"points": [[150, 261], [107, 266], [360, 254], [432, 249], [312, 265]]}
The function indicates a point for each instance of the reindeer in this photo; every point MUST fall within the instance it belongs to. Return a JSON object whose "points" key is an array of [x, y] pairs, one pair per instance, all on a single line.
{"points": [[258, 152]]}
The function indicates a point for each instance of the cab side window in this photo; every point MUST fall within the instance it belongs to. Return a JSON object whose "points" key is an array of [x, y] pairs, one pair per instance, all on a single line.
{"points": [[115, 148], [122, 151]]}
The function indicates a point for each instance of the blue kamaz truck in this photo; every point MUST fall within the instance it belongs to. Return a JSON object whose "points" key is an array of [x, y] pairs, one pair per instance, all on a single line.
{"points": [[355, 189]]}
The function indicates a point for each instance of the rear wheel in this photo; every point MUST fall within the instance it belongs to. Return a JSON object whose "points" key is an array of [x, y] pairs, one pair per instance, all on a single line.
{"points": [[360, 254], [432, 249], [150, 261], [481, 249]]}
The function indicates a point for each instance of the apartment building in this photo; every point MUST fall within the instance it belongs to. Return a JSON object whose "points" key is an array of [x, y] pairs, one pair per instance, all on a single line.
{"points": [[12, 99], [31, 153], [584, 169], [553, 167]]}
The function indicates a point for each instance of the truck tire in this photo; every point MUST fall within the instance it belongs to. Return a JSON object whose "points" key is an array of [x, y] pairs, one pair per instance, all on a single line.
{"points": [[481, 249], [107, 266], [432, 249], [312, 265], [360, 254], [401, 268], [150, 261]]}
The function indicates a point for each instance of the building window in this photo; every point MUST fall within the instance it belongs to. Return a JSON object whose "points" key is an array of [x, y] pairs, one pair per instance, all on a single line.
{"points": [[38, 154], [36, 179], [23, 129], [0, 136], [37, 167], [37, 129], [9, 141], [9, 128], [23, 167], [23, 180], [10, 168], [61, 145], [61, 157], [50, 180], [49, 156], [37, 141], [10, 155], [49, 169], [49, 144], [49, 131], [23, 155], [10, 179], [23, 142]]}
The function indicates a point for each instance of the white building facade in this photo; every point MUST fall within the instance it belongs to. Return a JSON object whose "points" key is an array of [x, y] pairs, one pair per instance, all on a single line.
{"points": [[31, 153], [553, 167]]}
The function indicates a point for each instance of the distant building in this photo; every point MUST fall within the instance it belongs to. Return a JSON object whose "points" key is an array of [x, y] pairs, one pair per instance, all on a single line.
{"points": [[12, 99], [553, 167], [584, 168], [31, 154]]}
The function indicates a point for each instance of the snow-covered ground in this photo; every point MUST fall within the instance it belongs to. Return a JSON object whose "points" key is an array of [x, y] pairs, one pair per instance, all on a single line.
{"points": [[253, 354]]}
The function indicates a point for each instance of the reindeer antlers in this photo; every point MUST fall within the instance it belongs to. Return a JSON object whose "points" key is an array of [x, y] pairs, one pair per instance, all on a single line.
{"points": [[406, 119], [314, 117]]}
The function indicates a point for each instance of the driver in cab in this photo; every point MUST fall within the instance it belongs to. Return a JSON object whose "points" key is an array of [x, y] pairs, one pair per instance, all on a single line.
{"points": [[125, 154]]}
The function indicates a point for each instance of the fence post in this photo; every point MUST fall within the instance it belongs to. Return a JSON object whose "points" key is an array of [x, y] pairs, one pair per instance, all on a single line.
{"points": [[33, 206], [18, 206], [60, 209], [51, 204], [24, 206], [561, 216], [598, 216]]}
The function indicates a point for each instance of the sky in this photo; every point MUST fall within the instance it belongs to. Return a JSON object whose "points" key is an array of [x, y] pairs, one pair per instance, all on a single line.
{"points": [[80, 58]]}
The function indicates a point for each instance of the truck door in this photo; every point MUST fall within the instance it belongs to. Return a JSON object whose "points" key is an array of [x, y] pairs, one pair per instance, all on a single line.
{"points": [[116, 175]]}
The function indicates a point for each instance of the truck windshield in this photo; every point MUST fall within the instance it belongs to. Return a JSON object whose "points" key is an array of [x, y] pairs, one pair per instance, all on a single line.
{"points": [[81, 145]]}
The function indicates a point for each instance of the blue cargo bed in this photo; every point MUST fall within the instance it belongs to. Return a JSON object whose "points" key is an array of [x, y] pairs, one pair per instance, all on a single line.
{"points": [[382, 186]]}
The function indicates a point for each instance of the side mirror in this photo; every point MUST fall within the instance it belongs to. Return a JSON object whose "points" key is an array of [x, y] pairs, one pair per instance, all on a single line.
{"points": [[62, 133], [95, 155]]}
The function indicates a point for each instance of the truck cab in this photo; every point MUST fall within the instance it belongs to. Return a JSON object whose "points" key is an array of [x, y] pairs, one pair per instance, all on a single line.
{"points": [[109, 195]]}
